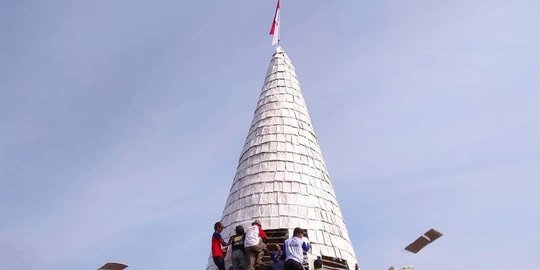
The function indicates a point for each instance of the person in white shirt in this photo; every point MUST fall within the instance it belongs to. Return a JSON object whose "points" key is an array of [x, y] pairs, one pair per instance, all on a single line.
{"points": [[254, 245], [294, 249]]}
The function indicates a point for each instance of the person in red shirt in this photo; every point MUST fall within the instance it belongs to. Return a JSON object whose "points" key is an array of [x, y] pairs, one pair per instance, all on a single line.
{"points": [[217, 249]]}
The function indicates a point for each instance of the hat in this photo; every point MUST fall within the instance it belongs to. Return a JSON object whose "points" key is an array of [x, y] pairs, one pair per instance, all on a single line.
{"points": [[256, 222]]}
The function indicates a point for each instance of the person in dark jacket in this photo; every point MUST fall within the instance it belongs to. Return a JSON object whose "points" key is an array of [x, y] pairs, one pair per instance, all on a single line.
{"points": [[238, 255]]}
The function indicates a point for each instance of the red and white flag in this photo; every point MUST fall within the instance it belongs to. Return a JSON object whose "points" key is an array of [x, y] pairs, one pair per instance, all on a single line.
{"points": [[274, 30]]}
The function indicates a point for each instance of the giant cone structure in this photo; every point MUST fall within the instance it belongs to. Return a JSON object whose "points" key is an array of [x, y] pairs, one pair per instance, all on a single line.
{"points": [[282, 179]]}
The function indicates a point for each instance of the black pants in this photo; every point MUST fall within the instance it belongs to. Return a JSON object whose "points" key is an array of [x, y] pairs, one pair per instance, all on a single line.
{"points": [[291, 264], [220, 262]]}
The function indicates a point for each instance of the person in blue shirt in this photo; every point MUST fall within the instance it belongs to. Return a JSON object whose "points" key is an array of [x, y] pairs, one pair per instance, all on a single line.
{"points": [[294, 249], [277, 260]]}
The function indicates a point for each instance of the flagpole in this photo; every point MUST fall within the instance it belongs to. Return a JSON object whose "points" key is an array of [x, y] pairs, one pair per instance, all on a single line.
{"points": [[279, 24]]}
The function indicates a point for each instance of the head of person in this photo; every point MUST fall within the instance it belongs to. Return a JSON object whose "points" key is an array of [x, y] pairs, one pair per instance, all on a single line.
{"points": [[239, 230], [298, 232], [218, 227], [256, 222], [317, 264]]}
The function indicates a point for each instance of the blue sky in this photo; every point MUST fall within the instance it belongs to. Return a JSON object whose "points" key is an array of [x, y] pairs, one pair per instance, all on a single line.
{"points": [[121, 124]]}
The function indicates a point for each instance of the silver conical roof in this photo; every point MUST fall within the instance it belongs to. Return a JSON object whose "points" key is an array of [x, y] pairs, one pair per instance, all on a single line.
{"points": [[282, 179]]}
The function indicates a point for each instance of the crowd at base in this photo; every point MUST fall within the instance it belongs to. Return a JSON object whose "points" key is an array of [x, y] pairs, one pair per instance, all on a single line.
{"points": [[247, 248]]}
